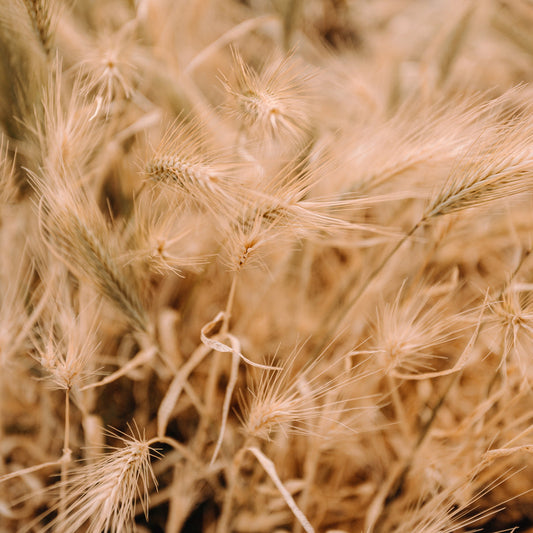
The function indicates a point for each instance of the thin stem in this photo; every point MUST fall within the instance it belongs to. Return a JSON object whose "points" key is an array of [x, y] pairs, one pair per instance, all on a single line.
{"points": [[398, 406], [234, 373], [525, 254], [270, 469], [234, 33], [396, 482], [30, 470], [66, 442], [312, 458], [66, 454], [338, 312], [212, 379], [229, 304], [289, 22], [225, 517], [178, 446], [141, 358], [209, 401], [176, 387]]}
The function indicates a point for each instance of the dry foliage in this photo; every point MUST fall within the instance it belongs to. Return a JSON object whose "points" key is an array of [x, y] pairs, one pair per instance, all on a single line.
{"points": [[266, 266]]}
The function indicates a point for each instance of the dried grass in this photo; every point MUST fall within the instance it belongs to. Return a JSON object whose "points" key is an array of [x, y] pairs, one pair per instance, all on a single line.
{"points": [[284, 249]]}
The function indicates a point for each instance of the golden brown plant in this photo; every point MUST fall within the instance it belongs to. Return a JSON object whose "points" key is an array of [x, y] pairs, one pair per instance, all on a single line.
{"points": [[375, 159]]}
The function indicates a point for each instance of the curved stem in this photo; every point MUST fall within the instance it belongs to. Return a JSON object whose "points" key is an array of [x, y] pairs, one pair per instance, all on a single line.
{"points": [[176, 386], [178, 446], [212, 379], [270, 469], [140, 359]]}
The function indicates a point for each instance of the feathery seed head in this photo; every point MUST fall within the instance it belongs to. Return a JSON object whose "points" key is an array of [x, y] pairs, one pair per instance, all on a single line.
{"points": [[66, 135], [496, 167], [292, 400], [65, 363], [408, 332], [271, 104], [156, 237], [108, 69], [101, 496], [75, 229], [65, 350], [182, 163], [514, 316], [43, 15], [251, 235], [284, 201]]}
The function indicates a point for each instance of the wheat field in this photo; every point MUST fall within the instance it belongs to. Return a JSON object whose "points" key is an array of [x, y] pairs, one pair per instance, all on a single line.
{"points": [[266, 266]]}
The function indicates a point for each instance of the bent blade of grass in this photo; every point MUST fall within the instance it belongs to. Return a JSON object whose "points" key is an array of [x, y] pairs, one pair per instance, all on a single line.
{"points": [[270, 469]]}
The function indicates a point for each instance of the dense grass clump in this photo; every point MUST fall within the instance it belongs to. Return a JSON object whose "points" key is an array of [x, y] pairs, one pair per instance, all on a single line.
{"points": [[266, 266]]}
